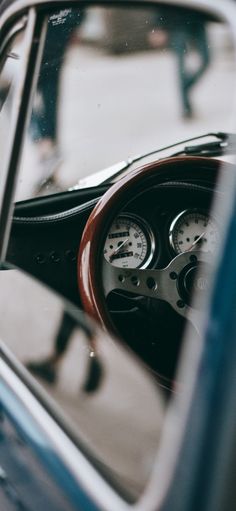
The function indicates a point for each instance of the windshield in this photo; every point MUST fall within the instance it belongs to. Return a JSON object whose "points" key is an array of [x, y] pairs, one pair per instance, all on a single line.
{"points": [[114, 82]]}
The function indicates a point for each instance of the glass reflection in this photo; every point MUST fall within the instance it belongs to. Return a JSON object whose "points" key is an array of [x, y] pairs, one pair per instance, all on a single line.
{"points": [[109, 404]]}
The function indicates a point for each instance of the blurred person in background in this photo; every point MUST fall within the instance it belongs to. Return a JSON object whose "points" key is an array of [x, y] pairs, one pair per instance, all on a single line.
{"points": [[43, 126], [186, 35]]}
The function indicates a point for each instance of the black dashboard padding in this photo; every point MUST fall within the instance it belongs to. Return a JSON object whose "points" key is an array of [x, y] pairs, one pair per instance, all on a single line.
{"points": [[48, 249], [58, 202], [46, 232]]}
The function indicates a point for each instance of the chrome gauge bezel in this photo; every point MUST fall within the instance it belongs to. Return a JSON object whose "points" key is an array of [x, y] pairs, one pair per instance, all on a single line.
{"points": [[172, 228], [178, 217], [144, 226]]}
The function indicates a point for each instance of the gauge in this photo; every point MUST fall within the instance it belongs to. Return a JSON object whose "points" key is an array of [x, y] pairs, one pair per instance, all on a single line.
{"points": [[194, 230], [129, 243]]}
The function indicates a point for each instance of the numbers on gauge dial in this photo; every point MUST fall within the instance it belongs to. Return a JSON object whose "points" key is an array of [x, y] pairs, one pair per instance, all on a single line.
{"points": [[194, 230], [129, 243]]}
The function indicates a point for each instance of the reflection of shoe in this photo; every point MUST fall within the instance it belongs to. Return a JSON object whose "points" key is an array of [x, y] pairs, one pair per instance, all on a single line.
{"points": [[48, 166], [49, 163], [94, 376], [48, 186], [188, 113], [44, 370], [4, 91]]}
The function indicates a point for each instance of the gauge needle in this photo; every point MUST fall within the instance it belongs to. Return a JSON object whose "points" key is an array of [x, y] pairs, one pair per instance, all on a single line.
{"points": [[196, 241], [118, 249]]}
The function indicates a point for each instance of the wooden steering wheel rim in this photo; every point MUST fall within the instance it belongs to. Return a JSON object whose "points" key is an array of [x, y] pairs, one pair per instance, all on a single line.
{"points": [[89, 270]]}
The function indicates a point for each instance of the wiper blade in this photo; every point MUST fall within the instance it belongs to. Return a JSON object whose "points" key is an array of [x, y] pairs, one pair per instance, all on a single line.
{"points": [[226, 144], [222, 138]]}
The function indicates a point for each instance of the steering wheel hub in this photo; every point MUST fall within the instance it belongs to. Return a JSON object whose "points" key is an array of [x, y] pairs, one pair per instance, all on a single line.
{"points": [[193, 277]]}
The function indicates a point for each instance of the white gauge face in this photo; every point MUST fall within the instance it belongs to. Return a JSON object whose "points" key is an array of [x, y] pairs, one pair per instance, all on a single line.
{"points": [[128, 244], [194, 230]]}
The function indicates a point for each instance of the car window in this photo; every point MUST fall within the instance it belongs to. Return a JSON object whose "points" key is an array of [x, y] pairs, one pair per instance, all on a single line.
{"points": [[122, 83]]}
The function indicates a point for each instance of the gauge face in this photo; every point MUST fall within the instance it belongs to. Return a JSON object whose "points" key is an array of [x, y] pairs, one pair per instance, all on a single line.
{"points": [[129, 243], [194, 230]]}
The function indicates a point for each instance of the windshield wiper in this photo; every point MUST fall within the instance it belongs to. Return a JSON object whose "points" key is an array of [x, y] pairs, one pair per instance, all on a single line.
{"points": [[224, 143]]}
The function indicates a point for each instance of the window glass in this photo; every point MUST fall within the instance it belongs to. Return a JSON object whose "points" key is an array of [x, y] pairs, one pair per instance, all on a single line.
{"points": [[109, 404], [116, 82]]}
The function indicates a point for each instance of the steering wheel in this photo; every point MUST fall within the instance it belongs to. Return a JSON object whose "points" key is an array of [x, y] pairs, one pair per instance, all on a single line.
{"points": [[172, 284]]}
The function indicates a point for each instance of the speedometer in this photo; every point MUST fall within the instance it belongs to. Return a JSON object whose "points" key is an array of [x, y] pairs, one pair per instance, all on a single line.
{"points": [[129, 243], [194, 230]]}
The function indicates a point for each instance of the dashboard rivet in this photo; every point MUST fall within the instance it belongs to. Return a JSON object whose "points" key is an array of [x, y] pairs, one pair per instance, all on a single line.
{"points": [[55, 257], [193, 258], [173, 275], [40, 258], [180, 304], [70, 255]]}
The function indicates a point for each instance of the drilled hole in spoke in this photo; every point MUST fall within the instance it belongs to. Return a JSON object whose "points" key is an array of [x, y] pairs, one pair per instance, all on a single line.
{"points": [[135, 280], [151, 284]]}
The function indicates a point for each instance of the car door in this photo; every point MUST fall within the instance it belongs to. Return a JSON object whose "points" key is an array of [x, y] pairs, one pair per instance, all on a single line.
{"points": [[49, 459]]}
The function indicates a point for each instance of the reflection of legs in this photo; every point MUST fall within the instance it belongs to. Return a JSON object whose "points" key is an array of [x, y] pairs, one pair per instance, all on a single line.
{"points": [[44, 118], [201, 45], [43, 127], [187, 79], [179, 40], [4, 91], [46, 369]]}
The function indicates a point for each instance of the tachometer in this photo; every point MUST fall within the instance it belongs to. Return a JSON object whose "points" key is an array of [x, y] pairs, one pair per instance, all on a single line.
{"points": [[129, 243], [193, 230]]}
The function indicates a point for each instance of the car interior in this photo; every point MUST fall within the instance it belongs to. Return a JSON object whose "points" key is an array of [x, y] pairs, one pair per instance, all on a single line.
{"points": [[151, 231], [116, 126]]}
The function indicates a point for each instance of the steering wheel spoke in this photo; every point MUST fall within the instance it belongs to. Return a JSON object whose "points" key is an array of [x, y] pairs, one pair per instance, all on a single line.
{"points": [[153, 283], [171, 284]]}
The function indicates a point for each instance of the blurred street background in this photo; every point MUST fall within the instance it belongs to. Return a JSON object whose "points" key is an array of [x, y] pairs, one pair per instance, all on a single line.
{"points": [[120, 95]]}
